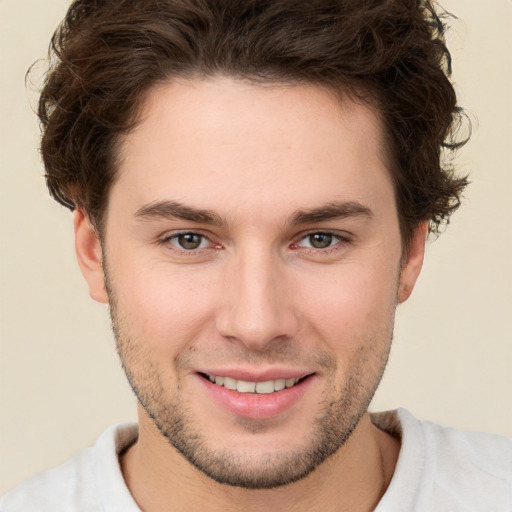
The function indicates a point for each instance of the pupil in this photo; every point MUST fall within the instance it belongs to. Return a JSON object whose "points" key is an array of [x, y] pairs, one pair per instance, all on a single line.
{"points": [[320, 240], [189, 241]]}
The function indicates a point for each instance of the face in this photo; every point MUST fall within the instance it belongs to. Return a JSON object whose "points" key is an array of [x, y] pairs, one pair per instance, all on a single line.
{"points": [[253, 264]]}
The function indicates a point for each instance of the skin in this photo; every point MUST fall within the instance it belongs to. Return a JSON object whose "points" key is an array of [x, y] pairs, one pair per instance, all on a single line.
{"points": [[259, 294]]}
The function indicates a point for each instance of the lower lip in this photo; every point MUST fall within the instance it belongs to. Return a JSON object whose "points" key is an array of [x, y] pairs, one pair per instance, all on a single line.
{"points": [[256, 406]]}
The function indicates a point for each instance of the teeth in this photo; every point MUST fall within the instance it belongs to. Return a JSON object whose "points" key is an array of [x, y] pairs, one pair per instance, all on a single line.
{"points": [[279, 384], [265, 387], [290, 382], [230, 383], [243, 386]]}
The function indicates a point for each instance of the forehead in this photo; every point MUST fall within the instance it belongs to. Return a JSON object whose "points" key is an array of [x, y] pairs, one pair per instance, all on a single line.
{"points": [[230, 145]]}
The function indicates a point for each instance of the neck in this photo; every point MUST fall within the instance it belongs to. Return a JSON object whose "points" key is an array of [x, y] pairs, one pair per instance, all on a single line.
{"points": [[353, 479]]}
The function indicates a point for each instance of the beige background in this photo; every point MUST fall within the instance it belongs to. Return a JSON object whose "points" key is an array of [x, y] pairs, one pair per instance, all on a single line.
{"points": [[60, 382]]}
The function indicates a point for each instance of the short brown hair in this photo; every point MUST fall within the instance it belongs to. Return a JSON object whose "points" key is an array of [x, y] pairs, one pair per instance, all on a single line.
{"points": [[106, 55]]}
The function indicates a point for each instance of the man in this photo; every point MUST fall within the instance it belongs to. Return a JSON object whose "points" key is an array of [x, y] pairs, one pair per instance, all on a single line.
{"points": [[252, 185]]}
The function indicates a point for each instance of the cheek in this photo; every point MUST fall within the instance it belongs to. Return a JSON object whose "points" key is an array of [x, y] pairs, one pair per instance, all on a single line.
{"points": [[164, 309], [352, 305]]}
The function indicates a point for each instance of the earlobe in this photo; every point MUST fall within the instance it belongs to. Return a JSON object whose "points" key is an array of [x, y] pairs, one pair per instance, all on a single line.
{"points": [[90, 256], [411, 267]]}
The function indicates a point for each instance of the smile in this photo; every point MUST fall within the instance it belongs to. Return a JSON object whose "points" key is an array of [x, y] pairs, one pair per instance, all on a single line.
{"points": [[242, 386]]}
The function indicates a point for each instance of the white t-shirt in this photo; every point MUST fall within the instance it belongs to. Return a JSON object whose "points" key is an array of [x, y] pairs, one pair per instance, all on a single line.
{"points": [[438, 470]]}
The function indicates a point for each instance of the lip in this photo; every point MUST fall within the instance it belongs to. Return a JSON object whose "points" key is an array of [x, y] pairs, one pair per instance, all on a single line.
{"points": [[256, 406]]}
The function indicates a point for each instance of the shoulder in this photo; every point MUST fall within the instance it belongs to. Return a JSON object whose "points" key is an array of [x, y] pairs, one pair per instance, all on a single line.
{"points": [[85, 482], [446, 469], [480, 454], [62, 488]]}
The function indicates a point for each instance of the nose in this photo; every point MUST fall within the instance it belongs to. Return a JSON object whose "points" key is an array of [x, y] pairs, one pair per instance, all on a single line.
{"points": [[256, 305]]}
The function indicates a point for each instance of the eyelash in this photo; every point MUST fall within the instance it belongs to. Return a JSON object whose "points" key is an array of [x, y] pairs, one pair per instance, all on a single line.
{"points": [[168, 241], [338, 239]]}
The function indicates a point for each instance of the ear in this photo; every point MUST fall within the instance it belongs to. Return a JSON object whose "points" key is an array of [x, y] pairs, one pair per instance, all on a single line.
{"points": [[412, 263], [90, 256]]}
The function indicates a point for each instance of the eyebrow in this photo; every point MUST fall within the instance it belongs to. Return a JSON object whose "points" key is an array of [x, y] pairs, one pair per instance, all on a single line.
{"points": [[174, 210], [331, 211]]}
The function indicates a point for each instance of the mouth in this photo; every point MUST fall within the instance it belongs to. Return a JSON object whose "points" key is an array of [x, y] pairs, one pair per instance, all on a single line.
{"points": [[270, 394], [261, 388]]}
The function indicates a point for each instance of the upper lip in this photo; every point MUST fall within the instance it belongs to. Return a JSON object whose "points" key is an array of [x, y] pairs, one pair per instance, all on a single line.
{"points": [[257, 376]]}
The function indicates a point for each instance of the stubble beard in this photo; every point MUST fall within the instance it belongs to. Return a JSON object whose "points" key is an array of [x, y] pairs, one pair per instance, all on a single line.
{"points": [[333, 426]]}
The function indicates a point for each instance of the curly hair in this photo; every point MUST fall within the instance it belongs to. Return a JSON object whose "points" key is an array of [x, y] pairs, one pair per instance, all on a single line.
{"points": [[105, 56]]}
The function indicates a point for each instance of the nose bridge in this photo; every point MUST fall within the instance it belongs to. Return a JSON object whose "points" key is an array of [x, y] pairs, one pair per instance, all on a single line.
{"points": [[256, 310]]}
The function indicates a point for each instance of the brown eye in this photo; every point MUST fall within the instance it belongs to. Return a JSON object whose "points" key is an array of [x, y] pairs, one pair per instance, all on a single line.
{"points": [[320, 240], [189, 241]]}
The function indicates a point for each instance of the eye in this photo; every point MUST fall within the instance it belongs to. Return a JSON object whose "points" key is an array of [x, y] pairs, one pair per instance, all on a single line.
{"points": [[189, 241], [320, 240]]}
